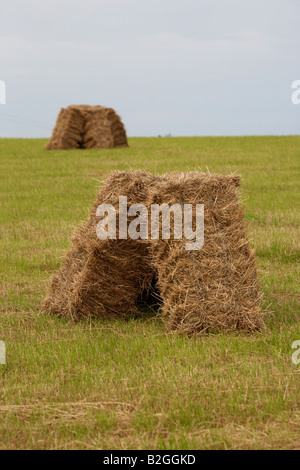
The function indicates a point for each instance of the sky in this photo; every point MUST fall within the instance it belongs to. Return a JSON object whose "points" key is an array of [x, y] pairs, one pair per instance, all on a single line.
{"points": [[179, 67]]}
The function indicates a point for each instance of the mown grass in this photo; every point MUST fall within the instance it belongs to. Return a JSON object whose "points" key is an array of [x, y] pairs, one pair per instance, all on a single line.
{"points": [[130, 385]]}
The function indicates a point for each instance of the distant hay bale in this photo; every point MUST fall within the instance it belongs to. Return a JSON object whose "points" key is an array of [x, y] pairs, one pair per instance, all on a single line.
{"points": [[84, 126], [209, 289], [68, 131]]}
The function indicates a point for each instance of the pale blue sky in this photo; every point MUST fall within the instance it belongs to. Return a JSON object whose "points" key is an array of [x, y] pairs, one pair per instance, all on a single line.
{"points": [[185, 67]]}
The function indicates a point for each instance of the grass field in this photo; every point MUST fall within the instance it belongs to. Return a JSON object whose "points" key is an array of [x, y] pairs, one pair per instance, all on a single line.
{"points": [[113, 385]]}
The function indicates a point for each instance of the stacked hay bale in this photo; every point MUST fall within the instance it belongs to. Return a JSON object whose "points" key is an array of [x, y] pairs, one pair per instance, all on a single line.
{"points": [[85, 126], [104, 278], [215, 287], [68, 131], [104, 129], [209, 289]]}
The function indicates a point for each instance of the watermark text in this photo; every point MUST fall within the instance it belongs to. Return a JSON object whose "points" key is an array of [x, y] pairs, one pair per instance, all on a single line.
{"points": [[2, 353], [188, 222], [296, 354], [296, 93], [2, 92]]}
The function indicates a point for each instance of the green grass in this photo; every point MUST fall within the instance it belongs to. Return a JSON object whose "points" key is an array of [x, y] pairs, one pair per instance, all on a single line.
{"points": [[110, 384]]}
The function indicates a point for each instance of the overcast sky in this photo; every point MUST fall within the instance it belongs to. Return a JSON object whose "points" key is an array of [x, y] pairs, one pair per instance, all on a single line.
{"points": [[184, 67]]}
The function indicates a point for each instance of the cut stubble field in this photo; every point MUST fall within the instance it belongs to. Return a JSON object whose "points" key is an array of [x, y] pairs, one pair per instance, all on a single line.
{"points": [[130, 385]]}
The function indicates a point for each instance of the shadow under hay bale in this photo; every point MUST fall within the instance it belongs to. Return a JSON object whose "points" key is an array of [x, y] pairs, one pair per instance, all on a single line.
{"points": [[87, 127], [149, 300], [202, 290]]}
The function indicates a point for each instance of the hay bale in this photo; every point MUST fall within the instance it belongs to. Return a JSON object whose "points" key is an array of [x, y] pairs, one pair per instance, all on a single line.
{"points": [[104, 129], [84, 126], [210, 289], [215, 287], [104, 278], [68, 131]]}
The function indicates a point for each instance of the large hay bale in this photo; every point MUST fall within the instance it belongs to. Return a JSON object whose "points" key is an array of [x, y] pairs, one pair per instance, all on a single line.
{"points": [[104, 278], [84, 126], [209, 289], [215, 287]]}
